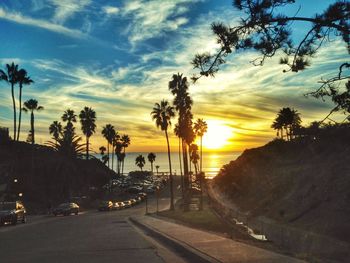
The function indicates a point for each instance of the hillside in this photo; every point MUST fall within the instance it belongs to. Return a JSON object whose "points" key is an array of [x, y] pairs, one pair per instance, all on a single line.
{"points": [[45, 176], [304, 183]]}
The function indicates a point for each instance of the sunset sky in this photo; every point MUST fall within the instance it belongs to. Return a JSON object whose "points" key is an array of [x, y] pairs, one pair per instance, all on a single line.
{"points": [[118, 57]]}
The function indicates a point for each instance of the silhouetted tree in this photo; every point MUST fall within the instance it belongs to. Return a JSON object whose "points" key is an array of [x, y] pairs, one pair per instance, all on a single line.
{"points": [[10, 76], [287, 119], [178, 86], [70, 117], [162, 113], [120, 155], [177, 133], [114, 142], [108, 133], [151, 158], [31, 106], [87, 120], [157, 168], [200, 128], [266, 30], [23, 79], [194, 156], [104, 157], [69, 146], [125, 140], [56, 130], [140, 161]]}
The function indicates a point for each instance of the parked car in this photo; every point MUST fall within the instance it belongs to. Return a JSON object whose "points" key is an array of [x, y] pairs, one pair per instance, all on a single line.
{"points": [[116, 206], [105, 206], [12, 212], [127, 204], [135, 189], [133, 202], [121, 205], [66, 209]]}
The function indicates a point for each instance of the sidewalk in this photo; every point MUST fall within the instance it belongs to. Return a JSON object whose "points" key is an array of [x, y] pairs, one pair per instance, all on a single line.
{"points": [[215, 247]]}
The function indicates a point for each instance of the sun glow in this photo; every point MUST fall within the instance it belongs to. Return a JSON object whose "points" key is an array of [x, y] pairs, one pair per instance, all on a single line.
{"points": [[217, 136]]}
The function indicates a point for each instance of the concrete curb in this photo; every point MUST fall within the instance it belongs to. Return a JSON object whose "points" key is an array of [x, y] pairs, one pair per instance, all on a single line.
{"points": [[185, 251]]}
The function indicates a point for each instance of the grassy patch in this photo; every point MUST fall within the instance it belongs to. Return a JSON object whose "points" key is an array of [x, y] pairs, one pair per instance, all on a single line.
{"points": [[205, 219]]}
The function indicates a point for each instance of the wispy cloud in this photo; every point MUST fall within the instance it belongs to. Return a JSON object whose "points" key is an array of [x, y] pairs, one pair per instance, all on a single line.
{"points": [[110, 10], [17, 17], [65, 9], [153, 18]]}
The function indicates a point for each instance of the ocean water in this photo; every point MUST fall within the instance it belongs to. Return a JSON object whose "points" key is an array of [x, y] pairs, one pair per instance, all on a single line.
{"points": [[212, 162]]}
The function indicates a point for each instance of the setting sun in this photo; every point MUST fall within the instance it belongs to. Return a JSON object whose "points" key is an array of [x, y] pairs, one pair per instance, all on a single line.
{"points": [[217, 136]]}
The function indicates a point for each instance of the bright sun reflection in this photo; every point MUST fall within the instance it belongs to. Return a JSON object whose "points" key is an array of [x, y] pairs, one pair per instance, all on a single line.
{"points": [[217, 135]]}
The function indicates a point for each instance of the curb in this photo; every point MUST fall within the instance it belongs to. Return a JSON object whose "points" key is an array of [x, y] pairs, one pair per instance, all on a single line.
{"points": [[185, 251]]}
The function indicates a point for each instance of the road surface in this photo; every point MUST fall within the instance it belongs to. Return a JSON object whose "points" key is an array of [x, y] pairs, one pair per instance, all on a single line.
{"points": [[91, 236]]}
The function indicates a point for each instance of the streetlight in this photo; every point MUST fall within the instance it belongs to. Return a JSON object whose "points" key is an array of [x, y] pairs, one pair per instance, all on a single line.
{"points": [[15, 180]]}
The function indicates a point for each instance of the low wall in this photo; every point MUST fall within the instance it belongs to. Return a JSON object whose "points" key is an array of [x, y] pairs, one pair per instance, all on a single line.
{"points": [[293, 239]]}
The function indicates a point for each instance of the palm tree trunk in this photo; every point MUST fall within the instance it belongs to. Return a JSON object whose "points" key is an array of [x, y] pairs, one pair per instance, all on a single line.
{"points": [[171, 175], [87, 148], [186, 177], [201, 154], [123, 162], [20, 111], [181, 174], [32, 126], [108, 154], [282, 133], [113, 157], [14, 111]]}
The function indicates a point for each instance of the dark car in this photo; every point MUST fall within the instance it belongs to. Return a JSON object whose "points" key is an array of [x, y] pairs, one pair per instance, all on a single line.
{"points": [[105, 206], [66, 209], [12, 212]]}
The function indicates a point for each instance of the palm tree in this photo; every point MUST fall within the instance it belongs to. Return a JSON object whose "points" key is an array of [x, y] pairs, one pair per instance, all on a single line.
{"points": [[70, 117], [140, 161], [183, 104], [151, 158], [287, 119], [200, 127], [278, 126], [87, 119], [157, 167], [115, 141], [69, 146], [103, 156], [125, 142], [120, 155], [11, 77], [23, 79], [56, 130], [120, 158], [108, 133], [162, 113], [32, 105], [194, 157]]}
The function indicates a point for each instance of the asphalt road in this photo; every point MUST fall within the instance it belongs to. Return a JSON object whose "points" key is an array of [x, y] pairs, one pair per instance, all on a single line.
{"points": [[91, 236]]}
